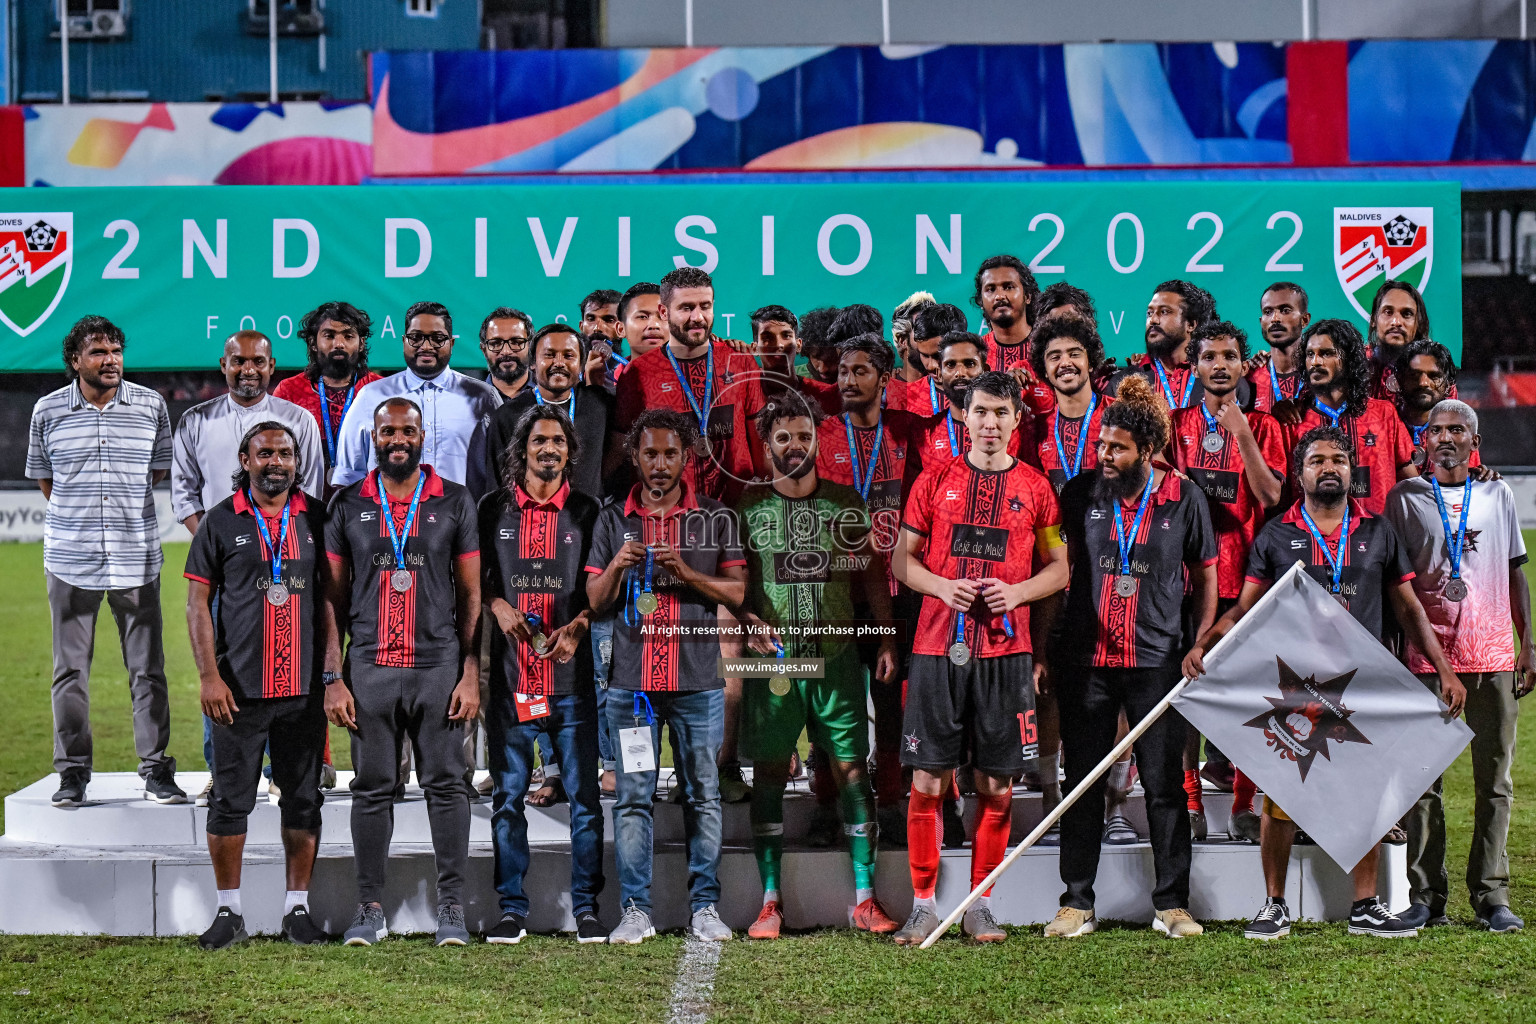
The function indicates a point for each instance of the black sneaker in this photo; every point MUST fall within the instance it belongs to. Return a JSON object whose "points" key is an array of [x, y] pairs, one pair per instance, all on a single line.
{"points": [[1418, 915], [227, 929], [300, 929], [72, 782], [509, 931], [161, 786], [589, 928], [1273, 922], [1371, 917]]}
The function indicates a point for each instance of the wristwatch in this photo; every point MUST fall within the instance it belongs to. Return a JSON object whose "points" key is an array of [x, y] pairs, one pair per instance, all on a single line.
{"points": [[330, 677]]}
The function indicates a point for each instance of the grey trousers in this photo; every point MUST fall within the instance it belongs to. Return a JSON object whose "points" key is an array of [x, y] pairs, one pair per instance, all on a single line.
{"points": [[137, 612], [1491, 713]]}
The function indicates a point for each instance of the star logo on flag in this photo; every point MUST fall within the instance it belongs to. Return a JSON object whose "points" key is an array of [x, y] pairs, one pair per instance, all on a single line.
{"points": [[1306, 716]]}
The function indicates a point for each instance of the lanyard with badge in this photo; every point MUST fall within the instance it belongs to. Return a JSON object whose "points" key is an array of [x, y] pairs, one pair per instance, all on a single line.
{"points": [[325, 414], [1082, 440], [277, 593], [933, 394], [531, 706], [863, 480], [637, 748], [570, 405], [709, 390], [1276, 391], [1329, 411], [1162, 377], [1335, 559], [954, 445], [641, 601], [400, 578], [1455, 544], [1125, 583], [1214, 441], [1420, 456]]}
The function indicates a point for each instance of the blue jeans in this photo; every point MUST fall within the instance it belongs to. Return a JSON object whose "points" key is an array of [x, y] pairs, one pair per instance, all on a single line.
{"points": [[572, 726], [697, 721], [602, 637]]}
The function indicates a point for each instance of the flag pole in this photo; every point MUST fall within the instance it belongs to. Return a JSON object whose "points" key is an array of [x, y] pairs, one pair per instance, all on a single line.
{"points": [[1102, 767]]}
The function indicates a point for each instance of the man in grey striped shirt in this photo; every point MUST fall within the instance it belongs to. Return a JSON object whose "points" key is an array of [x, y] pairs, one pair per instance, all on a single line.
{"points": [[96, 448]]}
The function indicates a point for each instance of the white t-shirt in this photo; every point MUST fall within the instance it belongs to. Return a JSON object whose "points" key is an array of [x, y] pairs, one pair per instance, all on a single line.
{"points": [[1477, 634]]}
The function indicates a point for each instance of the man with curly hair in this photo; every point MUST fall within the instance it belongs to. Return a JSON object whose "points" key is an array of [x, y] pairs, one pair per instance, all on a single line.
{"points": [[336, 335]]}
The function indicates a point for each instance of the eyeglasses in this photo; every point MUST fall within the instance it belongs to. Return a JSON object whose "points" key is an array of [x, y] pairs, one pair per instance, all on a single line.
{"points": [[416, 339], [505, 344]]}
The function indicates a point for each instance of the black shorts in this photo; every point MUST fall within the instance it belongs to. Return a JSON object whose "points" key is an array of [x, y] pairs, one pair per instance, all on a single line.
{"points": [[982, 712], [295, 727]]}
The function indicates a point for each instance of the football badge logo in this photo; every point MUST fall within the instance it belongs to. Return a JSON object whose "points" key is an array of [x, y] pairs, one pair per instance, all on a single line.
{"points": [[1306, 716], [1374, 243], [36, 252]]}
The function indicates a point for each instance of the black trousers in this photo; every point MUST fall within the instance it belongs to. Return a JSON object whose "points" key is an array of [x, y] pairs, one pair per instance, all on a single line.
{"points": [[1090, 700]]}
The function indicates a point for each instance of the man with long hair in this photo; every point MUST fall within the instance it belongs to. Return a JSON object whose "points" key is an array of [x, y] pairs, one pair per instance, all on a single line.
{"points": [[336, 336]]}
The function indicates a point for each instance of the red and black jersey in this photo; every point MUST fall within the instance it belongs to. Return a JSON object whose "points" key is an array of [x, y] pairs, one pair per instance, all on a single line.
{"points": [[1144, 630], [936, 445], [922, 398], [977, 524], [1374, 561], [1263, 380], [303, 392], [651, 383], [1384, 382], [281, 658], [1382, 445], [415, 628], [1073, 434], [1039, 397], [1183, 386], [676, 648], [895, 472], [1236, 512], [534, 557]]}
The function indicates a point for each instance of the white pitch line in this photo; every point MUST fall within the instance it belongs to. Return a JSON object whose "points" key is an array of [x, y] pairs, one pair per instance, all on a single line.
{"points": [[695, 982]]}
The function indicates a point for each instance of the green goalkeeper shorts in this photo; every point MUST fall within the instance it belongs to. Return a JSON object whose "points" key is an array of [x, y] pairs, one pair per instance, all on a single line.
{"points": [[833, 710]]}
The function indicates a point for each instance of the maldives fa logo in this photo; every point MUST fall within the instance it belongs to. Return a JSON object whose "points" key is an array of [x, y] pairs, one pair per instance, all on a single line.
{"points": [[36, 252], [1305, 716], [1373, 243]]}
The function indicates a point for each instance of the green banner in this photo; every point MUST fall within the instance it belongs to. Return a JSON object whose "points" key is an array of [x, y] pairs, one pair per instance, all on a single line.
{"points": [[180, 268]]}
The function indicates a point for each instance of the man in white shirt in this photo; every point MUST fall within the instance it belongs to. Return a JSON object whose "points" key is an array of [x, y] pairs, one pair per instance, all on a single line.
{"points": [[1463, 535], [455, 409]]}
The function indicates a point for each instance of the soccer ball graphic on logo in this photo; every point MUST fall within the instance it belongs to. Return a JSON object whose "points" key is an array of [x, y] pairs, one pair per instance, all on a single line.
{"points": [[1400, 231], [41, 236]]}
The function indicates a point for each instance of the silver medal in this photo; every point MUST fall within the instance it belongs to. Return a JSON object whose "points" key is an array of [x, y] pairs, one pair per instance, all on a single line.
{"points": [[540, 643], [959, 654], [1213, 442], [277, 595], [1456, 590], [646, 603], [779, 686], [400, 579], [1343, 601], [1125, 586]]}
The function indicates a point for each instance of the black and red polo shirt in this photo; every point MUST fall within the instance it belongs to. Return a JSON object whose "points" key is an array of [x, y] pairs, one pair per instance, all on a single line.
{"points": [[1181, 381], [933, 447], [975, 524], [895, 472], [651, 383], [281, 658], [1382, 445], [1073, 434], [1374, 561], [1039, 397], [1144, 630], [1263, 385], [533, 556], [1236, 512], [414, 629], [676, 648]]}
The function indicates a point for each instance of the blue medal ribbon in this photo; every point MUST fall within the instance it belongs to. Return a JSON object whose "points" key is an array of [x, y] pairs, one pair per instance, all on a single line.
{"points": [[1126, 543], [325, 414], [1327, 410], [1455, 544], [397, 541], [954, 445], [862, 481], [933, 394], [1082, 440], [1162, 376], [709, 385], [1274, 384], [641, 704], [282, 536], [960, 627], [571, 405], [1418, 434], [1335, 559]]}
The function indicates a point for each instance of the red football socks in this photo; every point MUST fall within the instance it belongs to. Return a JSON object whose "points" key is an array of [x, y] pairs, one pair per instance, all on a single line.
{"points": [[923, 833], [1243, 792], [994, 816], [1193, 792]]}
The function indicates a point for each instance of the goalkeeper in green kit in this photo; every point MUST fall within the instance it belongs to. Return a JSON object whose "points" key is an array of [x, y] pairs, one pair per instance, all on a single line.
{"points": [[811, 565]]}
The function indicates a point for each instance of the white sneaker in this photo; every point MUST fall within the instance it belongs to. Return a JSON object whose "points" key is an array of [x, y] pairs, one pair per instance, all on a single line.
{"points": [[634, 928], [706, 925], [205, 793]]}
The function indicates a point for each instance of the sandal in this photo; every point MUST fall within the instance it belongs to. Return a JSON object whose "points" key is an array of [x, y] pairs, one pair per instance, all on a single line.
{"points": [[549, 794]]}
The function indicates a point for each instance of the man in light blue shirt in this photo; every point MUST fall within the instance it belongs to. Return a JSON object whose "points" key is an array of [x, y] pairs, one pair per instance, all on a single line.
{"points": [[455, 409]]}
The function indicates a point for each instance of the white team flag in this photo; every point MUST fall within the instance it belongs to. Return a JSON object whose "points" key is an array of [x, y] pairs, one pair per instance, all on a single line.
{"points": [[1322, 717]]}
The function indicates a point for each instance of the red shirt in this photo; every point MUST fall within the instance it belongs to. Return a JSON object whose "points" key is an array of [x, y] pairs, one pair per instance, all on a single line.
{"points": [[1072, 435], [1382, 444], [1384, 383], [1264, 397], [1039, 397], [922, 397], [979, 524], [651, 383], [1182, 385], [895, 472], [1236, 512], [933, 447], [301, 391]]}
